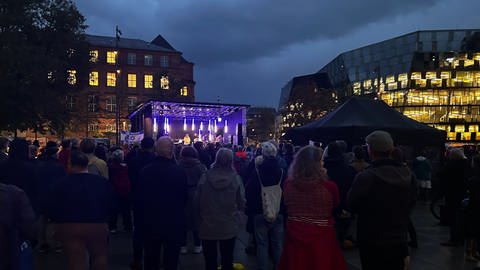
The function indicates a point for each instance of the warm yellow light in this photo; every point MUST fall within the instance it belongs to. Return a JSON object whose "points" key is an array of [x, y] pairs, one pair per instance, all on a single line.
{"points": [[93, 56], [164, 83], [111, 79], [72, 77], [148, 81], [132, 80], [184, 91], [93, 78], [111, 57]]}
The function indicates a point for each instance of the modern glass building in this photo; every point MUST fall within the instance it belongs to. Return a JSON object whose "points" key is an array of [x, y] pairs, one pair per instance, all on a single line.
{"points": [[430, 76]]}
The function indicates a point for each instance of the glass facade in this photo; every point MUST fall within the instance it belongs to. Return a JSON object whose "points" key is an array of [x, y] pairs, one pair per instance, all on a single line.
{"points": [[430, 76]]}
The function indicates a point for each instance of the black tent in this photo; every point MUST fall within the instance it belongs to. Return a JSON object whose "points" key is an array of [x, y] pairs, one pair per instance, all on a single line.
{"points": [[357, 117]]}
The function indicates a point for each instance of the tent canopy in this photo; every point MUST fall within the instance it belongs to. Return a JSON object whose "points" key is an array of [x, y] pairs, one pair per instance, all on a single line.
{"points": [[358, 117]]}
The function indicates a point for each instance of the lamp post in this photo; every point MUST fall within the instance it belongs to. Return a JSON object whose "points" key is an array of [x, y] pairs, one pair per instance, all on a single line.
{"points": [[118, 33]]}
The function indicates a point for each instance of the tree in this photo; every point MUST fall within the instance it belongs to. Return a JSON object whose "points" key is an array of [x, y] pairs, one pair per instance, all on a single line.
{"points": [[44, 57]]}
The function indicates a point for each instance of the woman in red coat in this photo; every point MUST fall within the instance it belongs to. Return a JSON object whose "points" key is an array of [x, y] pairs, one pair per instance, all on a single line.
{"points": [[310, 241]]}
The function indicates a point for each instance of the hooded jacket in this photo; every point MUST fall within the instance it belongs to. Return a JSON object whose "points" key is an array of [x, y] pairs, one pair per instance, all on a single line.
{"points": [[194, 169], [422, 168], [383, 195], [218, 200]]}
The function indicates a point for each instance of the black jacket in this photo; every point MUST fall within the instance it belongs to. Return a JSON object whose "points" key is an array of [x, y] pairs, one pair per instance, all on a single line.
{"points": [[162, 197], [49, 172], [453, 180], [383, 195], [135, 165], [342, 175]]}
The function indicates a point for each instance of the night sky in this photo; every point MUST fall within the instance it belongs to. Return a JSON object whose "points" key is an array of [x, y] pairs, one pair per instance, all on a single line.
{"points": [[245, 51]]}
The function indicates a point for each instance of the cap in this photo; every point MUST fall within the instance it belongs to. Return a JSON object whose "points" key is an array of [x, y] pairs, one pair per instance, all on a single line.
{"points": [[379, 141]]}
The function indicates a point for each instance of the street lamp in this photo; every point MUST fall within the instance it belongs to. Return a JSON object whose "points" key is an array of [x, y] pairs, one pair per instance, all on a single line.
{"points": [[118, 33]]}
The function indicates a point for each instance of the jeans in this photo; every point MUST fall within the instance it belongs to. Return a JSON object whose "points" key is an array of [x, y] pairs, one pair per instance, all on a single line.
{"points": [[269, 236], [152, 246], [226, 252]]}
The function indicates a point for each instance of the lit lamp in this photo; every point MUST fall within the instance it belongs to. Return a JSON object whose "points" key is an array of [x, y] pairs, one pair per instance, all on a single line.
{"points": [[193, 124], [201, 125], [184, 124], [215, 126], [226, 126], [155, 125]]}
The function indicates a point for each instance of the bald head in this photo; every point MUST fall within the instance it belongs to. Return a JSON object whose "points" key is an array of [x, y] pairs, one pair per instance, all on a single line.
{"points": [[164, 147]]}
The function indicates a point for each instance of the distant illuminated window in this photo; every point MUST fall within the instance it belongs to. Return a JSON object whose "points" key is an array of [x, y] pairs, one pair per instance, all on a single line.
{"points": [[132, 103], [164, 61], [132, 80], [93, 78], [164, 83], [93, 127], [111, 57], [94, 56], [109, 128], [148, 81], [111, 79], [131, 59], [111, 104], [72, 77], [184, 91], [148, 60]]}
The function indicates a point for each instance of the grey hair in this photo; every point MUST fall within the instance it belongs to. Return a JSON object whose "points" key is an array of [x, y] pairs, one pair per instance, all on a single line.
{"points": [[223, 159]]}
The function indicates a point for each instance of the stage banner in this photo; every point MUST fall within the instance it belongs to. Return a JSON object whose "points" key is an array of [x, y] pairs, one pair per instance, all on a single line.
{"points": [[131, 137]]}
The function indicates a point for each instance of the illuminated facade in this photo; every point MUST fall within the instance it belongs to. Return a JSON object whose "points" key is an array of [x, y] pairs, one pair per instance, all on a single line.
{"points": [[124, 74], [430, 76]]}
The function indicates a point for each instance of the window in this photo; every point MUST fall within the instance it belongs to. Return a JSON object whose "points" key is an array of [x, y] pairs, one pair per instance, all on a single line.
{"points": [[93, 78], [109, 128], [72, 77], [184, 91], [164, 83], [93, 127], [148, 60], [164, 61], [111, 104], [132, 103], [70, 103], [131, 59], [132, 80], [111, 79], [148, 81], [92, 103], [94, 56], [111, 57]]}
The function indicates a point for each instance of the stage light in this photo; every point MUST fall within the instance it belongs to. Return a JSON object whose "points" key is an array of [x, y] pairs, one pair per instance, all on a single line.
{"points": [[209, 125], [155, 126], [215, 126], [219, 119], [184, 124], [201, 125], [193, 124], [226, 126]]}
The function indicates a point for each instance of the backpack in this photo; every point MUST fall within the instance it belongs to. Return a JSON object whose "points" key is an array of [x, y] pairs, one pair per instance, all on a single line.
{"points": [[271, 198]]}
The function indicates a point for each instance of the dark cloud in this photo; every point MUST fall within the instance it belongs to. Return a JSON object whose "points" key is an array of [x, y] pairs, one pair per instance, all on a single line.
{"points": [[246, 50]]}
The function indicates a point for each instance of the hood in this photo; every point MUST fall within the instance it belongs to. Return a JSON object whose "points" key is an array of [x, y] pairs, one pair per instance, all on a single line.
{"points": [[221, 178], [189, 162], [392, 172], [421, 158]]}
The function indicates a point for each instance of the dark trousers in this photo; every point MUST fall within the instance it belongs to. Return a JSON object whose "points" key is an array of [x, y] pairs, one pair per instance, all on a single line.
{"points": [[455, 220], [383, 257], [226, 253], [137, 236], [122, 206], [152, 247], [196, 240]]}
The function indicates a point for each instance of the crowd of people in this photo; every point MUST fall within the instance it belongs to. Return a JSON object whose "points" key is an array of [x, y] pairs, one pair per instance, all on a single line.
{"points": [[300, 203]]}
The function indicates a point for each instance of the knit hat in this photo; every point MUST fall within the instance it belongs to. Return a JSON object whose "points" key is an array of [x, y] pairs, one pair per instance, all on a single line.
{"points": [[379, 141], [269, 149]]}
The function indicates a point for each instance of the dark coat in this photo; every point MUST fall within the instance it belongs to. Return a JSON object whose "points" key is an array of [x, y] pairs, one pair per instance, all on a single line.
{"points": [[342, 175], [383, 196], [194, 169], [473, 208], [162, 197], [49, 172], [136, 164], [453, 180]]}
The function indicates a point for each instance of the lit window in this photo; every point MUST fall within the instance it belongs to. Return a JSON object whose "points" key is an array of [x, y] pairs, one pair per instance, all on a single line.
{"points": [[148, 81], [164, 83], [72, 77], [70, 102], [93, 78], [132, 103], [164, 61], [148, 60], [132, 80], [94, 56], [184, 91], [50, 77], [111, 57], [93, 127], [92, 103], [111, 79], [109, 128], [111, 104], [131, 59]]}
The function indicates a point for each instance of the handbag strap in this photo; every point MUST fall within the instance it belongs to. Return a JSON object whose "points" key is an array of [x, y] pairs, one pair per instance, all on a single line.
{"points": [[260, 179]]}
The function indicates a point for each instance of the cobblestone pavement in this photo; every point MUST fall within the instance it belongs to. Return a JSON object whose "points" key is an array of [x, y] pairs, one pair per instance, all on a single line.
{"points": [[428, 256]]}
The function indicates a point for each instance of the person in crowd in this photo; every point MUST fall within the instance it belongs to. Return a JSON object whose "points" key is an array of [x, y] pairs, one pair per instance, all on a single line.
{"points": [[3, 149], [203, 154], [472, 213], [118, 172], [19, 172], [218, 200], [75, 144], [64, 154], [48, 173], [288, 153], [383, 196], [342, 175], [453, 180], [162, 197], [268, 235], [132, 153], [359, 163], [33, 152], [18, 225], [310, 199], [144, 156], [101, 152], [79, 207], [95, 165], [423, 171], [194, 169]]}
